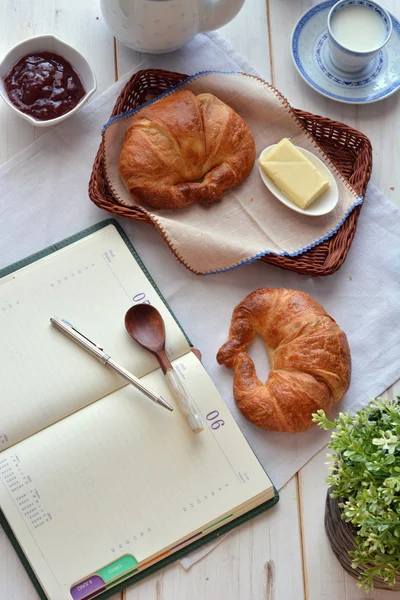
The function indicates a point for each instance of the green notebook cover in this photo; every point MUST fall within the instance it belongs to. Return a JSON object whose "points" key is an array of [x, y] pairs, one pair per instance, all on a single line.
{"points": [[187, 549]]}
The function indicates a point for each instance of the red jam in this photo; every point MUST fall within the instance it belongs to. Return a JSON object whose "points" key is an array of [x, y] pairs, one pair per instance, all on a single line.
{"points": [[43, 85]]}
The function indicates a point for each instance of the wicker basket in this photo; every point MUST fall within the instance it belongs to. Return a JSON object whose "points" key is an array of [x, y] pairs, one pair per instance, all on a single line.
{"points": [[341, 536], [348, 149]]}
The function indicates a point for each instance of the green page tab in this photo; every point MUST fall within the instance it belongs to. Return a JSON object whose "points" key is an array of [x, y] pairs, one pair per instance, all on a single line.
{"points": [[117, 568]]}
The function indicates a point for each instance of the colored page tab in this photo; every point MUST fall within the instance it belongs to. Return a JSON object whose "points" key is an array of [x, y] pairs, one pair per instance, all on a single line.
{"points": [[118, 568], [88, 588]]}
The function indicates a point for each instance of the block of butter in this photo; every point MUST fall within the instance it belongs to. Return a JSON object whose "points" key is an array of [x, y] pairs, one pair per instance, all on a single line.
{"points": [[294, 174]]}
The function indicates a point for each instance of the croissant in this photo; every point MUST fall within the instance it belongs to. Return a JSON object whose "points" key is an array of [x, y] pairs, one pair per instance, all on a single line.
{"points": [[309, 357], [183, 149]]}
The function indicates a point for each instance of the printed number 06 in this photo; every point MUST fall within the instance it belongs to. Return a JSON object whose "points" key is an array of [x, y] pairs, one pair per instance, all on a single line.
{"points": [[140, 298], [212, 416]]}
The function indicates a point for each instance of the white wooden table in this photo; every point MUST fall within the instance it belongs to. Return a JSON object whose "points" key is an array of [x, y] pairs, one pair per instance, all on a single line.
{"points": [[282, 554]]}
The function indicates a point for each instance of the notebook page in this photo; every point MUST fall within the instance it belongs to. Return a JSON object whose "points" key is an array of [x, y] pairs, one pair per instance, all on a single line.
{"points": [[44, 376], [125, 477]]}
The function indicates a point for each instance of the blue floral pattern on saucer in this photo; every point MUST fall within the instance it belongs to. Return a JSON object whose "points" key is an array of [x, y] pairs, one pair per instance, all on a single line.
{"points": [[310, 51]]}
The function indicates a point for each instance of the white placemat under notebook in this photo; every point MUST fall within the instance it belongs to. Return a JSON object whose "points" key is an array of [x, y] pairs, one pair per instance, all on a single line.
{"points": [[44, 199]]}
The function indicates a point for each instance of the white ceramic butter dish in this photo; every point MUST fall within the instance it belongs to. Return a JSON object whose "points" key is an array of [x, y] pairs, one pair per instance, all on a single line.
{"points": [[322, 205]]}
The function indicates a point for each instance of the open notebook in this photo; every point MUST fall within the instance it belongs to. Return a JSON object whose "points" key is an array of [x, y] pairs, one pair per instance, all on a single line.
{"points": [[98, 485]]}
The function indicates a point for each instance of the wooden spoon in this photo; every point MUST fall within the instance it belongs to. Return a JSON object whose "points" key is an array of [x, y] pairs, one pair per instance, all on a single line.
{"points": [[146, 326]]}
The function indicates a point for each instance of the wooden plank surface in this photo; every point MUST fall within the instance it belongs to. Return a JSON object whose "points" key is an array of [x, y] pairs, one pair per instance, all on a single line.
{"points": [[283, 554]]}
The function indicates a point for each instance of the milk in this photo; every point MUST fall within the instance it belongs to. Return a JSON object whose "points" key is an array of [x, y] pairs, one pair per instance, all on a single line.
{"points": [[358, 28]]}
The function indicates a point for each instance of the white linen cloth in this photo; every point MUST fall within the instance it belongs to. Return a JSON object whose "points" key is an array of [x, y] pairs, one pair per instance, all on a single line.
{"points": [[44, 199]]}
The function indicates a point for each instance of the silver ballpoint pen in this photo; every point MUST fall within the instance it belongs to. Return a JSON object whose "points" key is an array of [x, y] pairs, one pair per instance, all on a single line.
{"points": [[98, 352]]}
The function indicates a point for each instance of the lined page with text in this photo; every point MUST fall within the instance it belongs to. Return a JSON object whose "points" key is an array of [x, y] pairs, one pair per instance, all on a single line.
{"points": [[91, 283]]}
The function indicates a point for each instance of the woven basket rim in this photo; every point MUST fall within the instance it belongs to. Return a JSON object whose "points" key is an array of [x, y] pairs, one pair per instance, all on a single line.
{"points": [[333, 138]]}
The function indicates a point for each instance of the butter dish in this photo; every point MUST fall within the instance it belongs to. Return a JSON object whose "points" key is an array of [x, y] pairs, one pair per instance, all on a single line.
{"points": [[322, 205]]}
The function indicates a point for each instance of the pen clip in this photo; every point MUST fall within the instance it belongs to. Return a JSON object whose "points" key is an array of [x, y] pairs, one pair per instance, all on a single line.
{"points": [[82, 335]]}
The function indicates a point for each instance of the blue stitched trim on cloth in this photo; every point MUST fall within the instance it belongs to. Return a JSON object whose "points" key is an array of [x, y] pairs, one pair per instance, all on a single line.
{"points": [[167, 93], [252, 259], [247, 261]]}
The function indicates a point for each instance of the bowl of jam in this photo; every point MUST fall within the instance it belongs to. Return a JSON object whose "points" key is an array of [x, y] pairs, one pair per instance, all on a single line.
{"points": [[45, 80]]}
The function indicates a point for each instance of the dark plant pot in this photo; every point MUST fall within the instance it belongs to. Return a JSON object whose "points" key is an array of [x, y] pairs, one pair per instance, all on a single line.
{"points": [[342, 539]]}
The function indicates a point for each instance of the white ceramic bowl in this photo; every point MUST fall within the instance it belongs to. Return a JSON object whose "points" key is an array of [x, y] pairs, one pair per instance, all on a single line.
{"points": [[48, 43], [323, 205]]}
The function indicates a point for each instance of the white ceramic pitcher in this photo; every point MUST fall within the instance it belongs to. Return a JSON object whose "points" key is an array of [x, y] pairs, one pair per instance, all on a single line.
{"points": [[158, 26]]}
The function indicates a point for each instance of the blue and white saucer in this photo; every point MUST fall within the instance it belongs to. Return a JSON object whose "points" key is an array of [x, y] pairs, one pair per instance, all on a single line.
{"points": [[310, 51]]}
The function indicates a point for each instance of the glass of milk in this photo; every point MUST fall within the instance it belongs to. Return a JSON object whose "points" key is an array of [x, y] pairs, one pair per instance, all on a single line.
{"points": [[357, 31]]}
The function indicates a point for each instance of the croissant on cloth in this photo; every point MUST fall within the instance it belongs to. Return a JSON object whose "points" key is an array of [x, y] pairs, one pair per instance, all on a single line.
{"points": [[183, 149], [309, 357]]}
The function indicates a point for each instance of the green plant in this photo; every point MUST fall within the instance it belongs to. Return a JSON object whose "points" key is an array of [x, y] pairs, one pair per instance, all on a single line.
{"points": [[365, 477]]}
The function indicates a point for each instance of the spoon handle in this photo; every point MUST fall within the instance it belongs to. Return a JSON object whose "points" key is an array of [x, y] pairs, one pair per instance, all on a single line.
{"points": [[185, 402]]}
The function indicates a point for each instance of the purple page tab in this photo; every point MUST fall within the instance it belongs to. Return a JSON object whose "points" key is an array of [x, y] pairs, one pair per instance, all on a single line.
{"points": [[88, 588]]}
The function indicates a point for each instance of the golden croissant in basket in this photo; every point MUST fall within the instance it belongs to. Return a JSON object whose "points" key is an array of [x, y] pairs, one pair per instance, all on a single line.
{"points": [[308, 354], [183, 149]]}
